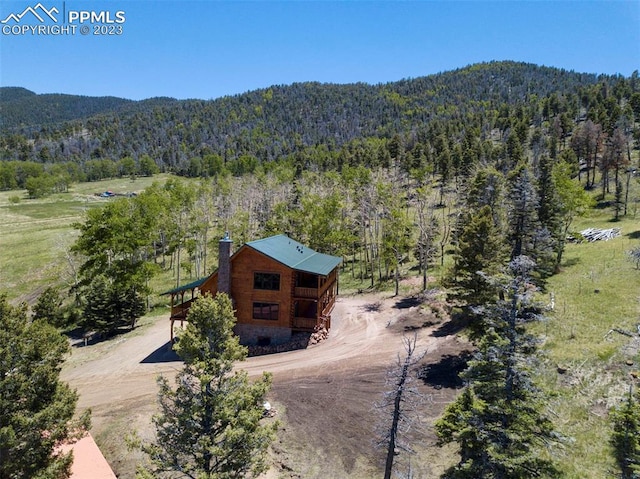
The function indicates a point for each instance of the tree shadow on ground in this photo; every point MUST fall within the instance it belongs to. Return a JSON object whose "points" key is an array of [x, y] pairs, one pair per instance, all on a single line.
{"points": [[164, 354], [406, 303], [570, 262], [456, 324], [634, 234], [446, 372], [75, 334], [604, 204], [372, 307], [80, 338]]}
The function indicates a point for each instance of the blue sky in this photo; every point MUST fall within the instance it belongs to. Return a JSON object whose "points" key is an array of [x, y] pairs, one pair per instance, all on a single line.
{"points": [[208, 49]]}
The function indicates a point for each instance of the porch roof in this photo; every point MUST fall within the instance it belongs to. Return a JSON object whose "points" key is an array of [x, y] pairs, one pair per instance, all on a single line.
{"points": [[185, 287]]}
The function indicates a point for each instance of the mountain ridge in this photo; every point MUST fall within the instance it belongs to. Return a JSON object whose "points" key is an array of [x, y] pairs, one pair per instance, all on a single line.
{"points": [[16, 110], [272, 122]]}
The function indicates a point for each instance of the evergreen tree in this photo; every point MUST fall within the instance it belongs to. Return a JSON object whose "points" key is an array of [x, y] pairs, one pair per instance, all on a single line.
{"points": [[526, 234], [548, 199], [485, 188], [552, 208], [209, 427], [49, 307], [109, 306], [478, 238], [625, 439], [480, 253], [115, 239], [97, 312], [36, 408], [522, 211], [498, 421], [615, 156]]}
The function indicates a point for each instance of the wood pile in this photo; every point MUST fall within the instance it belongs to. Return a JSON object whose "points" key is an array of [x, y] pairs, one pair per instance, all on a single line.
{"points": [[596, 234]]}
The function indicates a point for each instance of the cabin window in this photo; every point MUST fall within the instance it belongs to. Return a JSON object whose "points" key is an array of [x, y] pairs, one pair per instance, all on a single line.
{"points": [[267, 311], [268, 281]]}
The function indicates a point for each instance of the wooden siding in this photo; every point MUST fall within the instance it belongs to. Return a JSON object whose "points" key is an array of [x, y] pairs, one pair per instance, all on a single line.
{"points": [[246, 262], [304, 324]]}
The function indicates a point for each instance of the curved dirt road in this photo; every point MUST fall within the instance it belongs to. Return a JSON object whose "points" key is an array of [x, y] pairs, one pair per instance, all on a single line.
{"points": [[358, 334], [126, 367]]}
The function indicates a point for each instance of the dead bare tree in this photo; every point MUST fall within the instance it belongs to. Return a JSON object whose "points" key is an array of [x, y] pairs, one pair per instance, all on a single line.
{"points": [[427, 228], [445, 231], [71, 273], [400, 401]]}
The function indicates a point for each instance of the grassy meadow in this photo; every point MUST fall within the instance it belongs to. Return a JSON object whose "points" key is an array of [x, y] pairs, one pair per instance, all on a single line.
{"points": [[586, 362], [36, 234]]}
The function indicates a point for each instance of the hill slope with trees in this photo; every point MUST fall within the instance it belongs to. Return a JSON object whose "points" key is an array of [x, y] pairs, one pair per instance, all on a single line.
{"points": [[273, 122]]}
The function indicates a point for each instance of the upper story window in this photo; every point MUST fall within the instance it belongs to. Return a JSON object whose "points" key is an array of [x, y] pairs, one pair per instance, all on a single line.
{"points": [[268, 281]]}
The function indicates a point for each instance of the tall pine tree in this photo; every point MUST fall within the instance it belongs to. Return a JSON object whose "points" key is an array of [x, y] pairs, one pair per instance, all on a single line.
{"points": [[479, 253], [209, 426], [498, 421], [550, 204], [36, 408], [527, 236], [625, 439]]}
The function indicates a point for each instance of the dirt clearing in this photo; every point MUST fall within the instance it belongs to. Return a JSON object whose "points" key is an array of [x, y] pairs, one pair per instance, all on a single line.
{"points": [[324, 395]]}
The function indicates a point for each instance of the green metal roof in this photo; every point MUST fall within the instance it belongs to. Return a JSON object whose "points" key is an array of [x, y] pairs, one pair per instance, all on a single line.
{"points": [[184, 287], [295, 255]]}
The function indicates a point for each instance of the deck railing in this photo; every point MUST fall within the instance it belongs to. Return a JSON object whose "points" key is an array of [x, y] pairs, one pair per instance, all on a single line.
{"points": [[179, 311], [306, 292], [310, 324]]}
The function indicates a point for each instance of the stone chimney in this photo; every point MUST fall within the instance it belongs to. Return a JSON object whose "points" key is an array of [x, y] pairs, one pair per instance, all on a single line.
{"points": [[224, 264]]}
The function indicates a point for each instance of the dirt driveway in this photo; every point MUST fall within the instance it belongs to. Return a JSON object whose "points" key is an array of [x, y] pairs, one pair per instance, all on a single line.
{"points": [[325, 395]]}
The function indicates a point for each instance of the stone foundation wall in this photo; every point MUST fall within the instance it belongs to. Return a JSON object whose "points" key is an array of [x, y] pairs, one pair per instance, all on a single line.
{"points": [[298, 340], [250, 335]]}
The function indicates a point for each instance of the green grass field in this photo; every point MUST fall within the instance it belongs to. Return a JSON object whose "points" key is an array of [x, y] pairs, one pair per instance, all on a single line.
{"points": [[35, 234]]}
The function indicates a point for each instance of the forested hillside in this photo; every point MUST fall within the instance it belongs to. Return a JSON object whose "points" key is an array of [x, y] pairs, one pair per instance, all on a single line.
{"points": [[313, 120], [24, 109]]}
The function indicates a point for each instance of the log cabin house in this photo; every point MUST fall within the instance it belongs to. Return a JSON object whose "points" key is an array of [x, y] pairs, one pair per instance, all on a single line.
{"points": [[278, 286]]}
